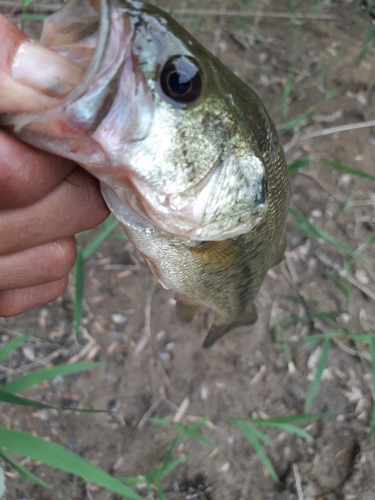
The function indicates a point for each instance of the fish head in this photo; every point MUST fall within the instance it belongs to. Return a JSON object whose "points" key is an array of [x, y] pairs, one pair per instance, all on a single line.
{"points": [[171, 133]]}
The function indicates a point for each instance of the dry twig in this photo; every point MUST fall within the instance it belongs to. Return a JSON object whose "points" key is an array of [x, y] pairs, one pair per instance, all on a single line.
{"points": [[297, 477], [254, 13], [328, 262], [339, 128], [148, 413]]}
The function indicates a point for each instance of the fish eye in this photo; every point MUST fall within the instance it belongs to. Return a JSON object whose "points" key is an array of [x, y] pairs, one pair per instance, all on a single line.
{"points": [[181, 80]]}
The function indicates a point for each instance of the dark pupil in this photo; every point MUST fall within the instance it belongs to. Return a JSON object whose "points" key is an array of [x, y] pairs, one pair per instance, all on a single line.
{"points": [[179, 83], [180, 79]]}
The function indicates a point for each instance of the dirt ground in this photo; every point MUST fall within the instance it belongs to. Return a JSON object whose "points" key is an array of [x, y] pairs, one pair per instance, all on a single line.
{"points": [[151, 366]]}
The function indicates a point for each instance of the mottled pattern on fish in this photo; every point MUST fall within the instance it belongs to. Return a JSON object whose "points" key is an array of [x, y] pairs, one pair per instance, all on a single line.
{"points": [[197, 178]]}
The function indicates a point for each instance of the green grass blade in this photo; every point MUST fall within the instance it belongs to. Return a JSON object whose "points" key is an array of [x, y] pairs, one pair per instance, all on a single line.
{"points": [[23, 383], [160, 489], [311, 340], [158, 474], [193, 432], [367, 44], [310, 229], [337, 283], [2, 482], [287, 424], [22, 471], [348, 170], [109, 226], [133, 480], [361, 336], [372, 353], [174, 463], [294, 429], [297, 164], [260, 435], [78, 292], [252, 436], [33, 17], [322, 363], [323, 316], [13, 344], [118, 236], [289, 419], [5, 397], [295, 121], [249, 428], [56, 456]]}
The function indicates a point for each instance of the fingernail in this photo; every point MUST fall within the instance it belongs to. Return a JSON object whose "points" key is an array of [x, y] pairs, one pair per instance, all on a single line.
{"points": [[44, 70]]}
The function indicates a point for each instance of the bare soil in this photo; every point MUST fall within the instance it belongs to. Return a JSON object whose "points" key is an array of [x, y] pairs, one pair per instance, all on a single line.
{"points": [[153, 366]]}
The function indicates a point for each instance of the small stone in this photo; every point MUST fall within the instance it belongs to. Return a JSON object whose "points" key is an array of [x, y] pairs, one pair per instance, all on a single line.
{"points": [[225, 467], [362, 277], [204, 392], [29, 354], [344, 319], [223, 46], [314, 358], [110, 378], [316, 213], [119, 319], [58, 380], [170, 346], [344, 179], [164, 357]]}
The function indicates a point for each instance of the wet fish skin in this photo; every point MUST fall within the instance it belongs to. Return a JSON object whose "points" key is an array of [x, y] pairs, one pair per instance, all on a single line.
{"points": [[169, 151]]}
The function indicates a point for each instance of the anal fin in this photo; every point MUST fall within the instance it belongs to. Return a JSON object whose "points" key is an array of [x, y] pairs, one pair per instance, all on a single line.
{"points": [[217, 330], [185, 310]]}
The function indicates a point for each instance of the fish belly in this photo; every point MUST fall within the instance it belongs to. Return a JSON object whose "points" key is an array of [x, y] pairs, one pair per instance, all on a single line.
{"points": [[224, 276]]}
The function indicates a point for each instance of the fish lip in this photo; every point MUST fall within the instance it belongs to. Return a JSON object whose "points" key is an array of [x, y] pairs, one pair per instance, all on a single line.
{"points": [[99, 52], [71, 101]]}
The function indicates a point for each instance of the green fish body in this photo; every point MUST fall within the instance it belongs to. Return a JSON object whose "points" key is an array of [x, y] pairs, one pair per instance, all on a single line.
{"points": [[188, 159]]}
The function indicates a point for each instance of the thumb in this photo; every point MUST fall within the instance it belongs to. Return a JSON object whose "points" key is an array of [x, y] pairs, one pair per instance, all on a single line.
{"points": [[32, 78]]}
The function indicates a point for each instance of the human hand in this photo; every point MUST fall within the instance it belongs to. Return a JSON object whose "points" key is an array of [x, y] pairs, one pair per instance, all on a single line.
{"points": [[44, 201]]}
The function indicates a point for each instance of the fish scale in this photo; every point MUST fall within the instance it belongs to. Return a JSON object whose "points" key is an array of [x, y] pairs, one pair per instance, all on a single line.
{"points": [[188, 159]]}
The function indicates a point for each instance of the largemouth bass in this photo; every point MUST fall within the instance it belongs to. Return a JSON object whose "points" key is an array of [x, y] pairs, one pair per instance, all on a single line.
{"points": [[188, 159]]}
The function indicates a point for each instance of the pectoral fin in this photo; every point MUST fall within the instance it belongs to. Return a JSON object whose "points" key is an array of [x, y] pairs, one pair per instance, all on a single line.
{"points": [[217, 330]]}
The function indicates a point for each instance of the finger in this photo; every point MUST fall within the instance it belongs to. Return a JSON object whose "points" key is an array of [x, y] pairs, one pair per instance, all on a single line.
{"points": [[37, 265], [27, 174], [13, 302], [32, 78], [75, 205]]}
